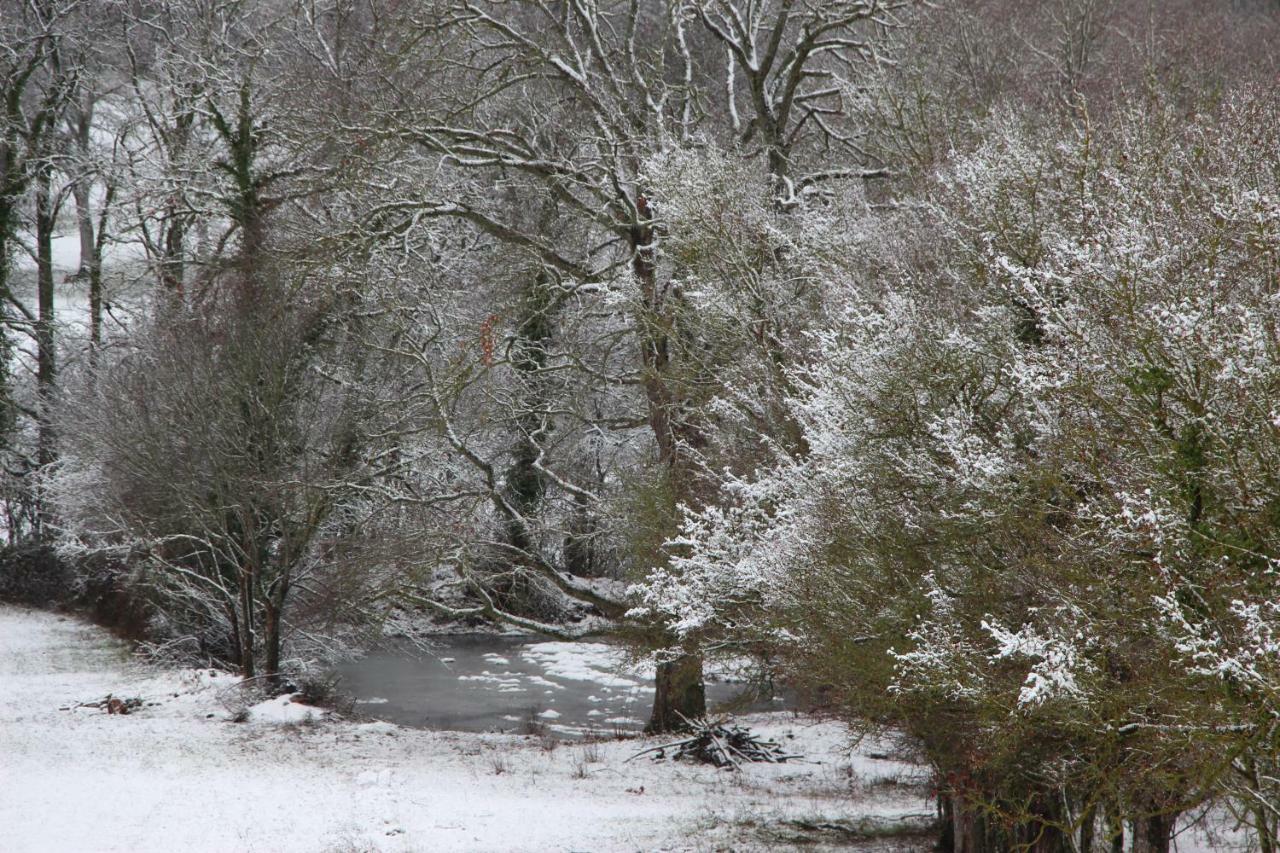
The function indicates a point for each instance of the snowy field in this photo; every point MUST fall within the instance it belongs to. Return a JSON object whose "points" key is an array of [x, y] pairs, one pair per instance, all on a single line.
{"points": [[178, 775]]}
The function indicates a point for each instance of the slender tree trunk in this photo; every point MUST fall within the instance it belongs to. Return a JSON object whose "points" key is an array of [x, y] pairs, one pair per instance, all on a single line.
{"points": [[46, 365], [80, 193], [172, 264], [1087, 830], [237, 649], [271, 641], [525, 483], [579, 544], [247, 668], [1266, 831], [91, 257], [8, 412], [273, 624], [95, 304]]}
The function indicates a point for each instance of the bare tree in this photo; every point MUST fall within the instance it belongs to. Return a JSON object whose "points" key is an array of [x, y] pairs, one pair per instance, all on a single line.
{"points": [[797, 65], [567, 106], [38, 80], [248, 466]]}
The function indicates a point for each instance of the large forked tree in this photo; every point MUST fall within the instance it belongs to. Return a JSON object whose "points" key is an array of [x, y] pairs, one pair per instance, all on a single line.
{"points": [[568, 104]]}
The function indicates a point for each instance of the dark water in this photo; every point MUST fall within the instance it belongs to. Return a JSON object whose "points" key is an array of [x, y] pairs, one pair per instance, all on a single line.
{"points": [[476, 683]]}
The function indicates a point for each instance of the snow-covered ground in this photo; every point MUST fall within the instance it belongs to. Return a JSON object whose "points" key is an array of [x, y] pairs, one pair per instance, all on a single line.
{"points": [[178, 775]]}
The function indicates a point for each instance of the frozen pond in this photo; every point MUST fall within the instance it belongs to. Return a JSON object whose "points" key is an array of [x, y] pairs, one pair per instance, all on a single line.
{"points": [[477, 683]]}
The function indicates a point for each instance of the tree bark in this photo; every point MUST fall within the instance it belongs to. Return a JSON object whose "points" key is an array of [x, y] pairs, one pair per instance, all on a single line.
{"points": [[237, 649], [969, 831], [46, 365], [84, 224], [1153, 834], [965, 829], [247, 668], [91, 265], [172, 264], [273, 624], [680, 695], [1087, 830], [95, 303], [271, 641]]}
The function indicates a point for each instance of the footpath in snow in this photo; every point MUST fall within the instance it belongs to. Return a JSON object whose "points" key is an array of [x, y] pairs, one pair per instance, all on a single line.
{"points": [[177, 774]]}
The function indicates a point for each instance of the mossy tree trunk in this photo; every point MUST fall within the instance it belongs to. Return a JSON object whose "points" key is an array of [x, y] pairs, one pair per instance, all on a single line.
{"points": [[680, 695], [1153, 834]]}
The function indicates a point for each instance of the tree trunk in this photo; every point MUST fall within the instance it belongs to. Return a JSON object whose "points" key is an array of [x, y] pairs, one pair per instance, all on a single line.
{"points": [[969, 831], [273, 624], [680, 691], [172, 267], [46, 366], [965, 829], [1087, 830], [1153, 834], [236, 647], [247, 668], [680, 695], [1266, 832], [80, 192], [271, 641], [528, 354], [95, 304], [8, 412]]}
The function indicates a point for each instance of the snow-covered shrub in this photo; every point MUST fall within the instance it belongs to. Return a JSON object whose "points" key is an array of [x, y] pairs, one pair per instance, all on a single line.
{"points": [[217, 459], [1033, 520]]}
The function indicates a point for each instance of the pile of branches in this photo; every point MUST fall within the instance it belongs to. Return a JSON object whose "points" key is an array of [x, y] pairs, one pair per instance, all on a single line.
{"points": [[720, 743], [111, 703]]}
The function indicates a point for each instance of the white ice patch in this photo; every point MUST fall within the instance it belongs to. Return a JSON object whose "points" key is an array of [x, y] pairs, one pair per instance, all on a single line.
{"points": [[507, 682], [595, 662]]}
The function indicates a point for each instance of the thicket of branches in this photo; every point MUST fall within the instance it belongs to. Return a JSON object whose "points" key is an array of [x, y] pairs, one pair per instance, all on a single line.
{"points": [[927, 350]]}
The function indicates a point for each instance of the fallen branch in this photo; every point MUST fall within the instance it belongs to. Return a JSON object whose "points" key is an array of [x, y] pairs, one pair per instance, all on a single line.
{"points": [[110, 703]]}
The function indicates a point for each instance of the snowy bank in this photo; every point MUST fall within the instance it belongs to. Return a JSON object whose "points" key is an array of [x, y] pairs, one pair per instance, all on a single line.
{"points": [[176, 774]]}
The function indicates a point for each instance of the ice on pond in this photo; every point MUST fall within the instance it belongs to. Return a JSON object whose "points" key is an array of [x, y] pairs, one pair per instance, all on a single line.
{"points": [[485, 683]]}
